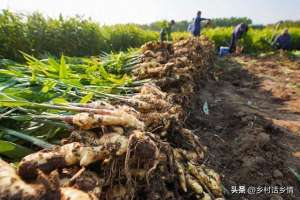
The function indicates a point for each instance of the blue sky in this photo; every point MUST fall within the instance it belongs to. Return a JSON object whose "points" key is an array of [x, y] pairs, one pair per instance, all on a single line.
{"points": [[146, 11]]}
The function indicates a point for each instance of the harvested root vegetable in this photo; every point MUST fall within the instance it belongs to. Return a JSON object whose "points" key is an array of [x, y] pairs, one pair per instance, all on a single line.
{"points": [[13, 187], [149, 53], [194, 184], [89, 120], [119, 130], [185, 63], [207, 177], [115, 143], [139, 150], [193, 139], [152, 89], [87, 138], [83, 179], [100, 105], [151, 104], [90, 138], [70, 154], [156, 46], [142, 153], [184, 155], [206, 196], [167, 82], [68, 193], [150, 65], [180, 171]]}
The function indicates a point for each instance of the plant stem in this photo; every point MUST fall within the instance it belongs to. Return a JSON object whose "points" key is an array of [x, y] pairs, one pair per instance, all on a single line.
{"points": [[31, 139]]}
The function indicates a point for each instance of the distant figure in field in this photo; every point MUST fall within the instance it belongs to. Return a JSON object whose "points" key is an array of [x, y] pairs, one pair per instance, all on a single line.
{"points": [[239, 31], [283, 41], [191, 26], [166, 31], [197, 24]]}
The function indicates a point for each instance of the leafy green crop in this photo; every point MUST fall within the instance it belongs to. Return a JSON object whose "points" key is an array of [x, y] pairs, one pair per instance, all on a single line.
{"points": [[74, 36], [256, 40], [34, 93], [12, 150], [37, 35]]}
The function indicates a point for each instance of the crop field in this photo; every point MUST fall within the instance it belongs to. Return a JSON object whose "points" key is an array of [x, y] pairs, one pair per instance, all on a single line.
{"points": [[90, 112], [40, 36]]}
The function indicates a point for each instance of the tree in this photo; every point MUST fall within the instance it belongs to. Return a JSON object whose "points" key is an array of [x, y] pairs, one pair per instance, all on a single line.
{"points": [[181, 26], [233, 21]]}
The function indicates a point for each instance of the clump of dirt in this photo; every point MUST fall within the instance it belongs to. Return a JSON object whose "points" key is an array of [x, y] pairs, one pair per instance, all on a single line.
{"points": [[252, 139]]}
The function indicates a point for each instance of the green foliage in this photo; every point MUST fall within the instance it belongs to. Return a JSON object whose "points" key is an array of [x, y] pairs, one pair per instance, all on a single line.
{"points": [[50, 87], [232, 21], [75, 36], [181, 26], [12, 35], [12, 150], [297, 175], [67, 79], [221, 36], [180, 35], [256, 40], [121, 37], [26, 137], [39, 36], [287, 23], [156, 26]]}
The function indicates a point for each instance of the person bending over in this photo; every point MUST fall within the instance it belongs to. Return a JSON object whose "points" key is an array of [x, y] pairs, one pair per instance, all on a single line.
{"points": [[283, 41], [239, 31]]}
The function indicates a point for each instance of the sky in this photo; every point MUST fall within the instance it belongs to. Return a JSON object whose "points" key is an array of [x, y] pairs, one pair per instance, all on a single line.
{"points": [[147, 11]]}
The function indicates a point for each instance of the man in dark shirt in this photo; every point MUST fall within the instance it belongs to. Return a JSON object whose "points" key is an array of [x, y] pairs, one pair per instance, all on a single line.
{"points": [[197, 24], [283, 41], [237, 34]]}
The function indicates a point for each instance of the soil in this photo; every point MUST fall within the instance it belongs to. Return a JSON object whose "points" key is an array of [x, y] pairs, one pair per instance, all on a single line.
{"points": [[252, 131]]}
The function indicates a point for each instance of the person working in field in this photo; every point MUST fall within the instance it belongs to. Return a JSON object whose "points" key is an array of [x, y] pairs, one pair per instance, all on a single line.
{"points": [[166, 31], [191, 26], [197, 24], [283, 41], [239, 31]]}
